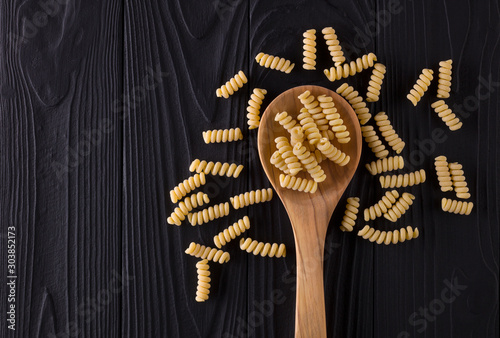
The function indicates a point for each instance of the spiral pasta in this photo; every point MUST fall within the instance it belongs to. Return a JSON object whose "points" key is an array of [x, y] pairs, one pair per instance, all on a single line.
{"points": [[400, 207], [296, 135], [232, 85], [309, 162], [356, 102], [448, 117], [253, 108], [443, 173], [406, 180], [350, 214], [350, 69], [286, 152], [179, 214], [333, 153], [208, 214], [385, 164], [299, 184], [216, 168], [373, 141], [286, 121], [232, 232], [444, 82], [382, 206], [333, 45], [274, 62], [309, 126], [388, 132], [375, 83], [459, 182], [456, 207], [264, 249], [333, 119], [388, 237], [205, 252], [309, 49], [279, 162], [251, 197], [421, 86], [186, 186], [222, 135], [203, 288]]}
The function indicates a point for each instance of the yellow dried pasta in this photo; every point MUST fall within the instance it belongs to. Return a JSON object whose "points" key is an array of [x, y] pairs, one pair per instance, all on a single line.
{"points": [[456, 207], [350, 69], [253, 109], [274, 62], [400, 207], [203, 288], [286, 151], [381, 207], [385, 164], [448, 117], [216, 168], [309, 49], [356, 102], [388, 133], [251, 197], [373, 141], [375, 83], [333, 118], [222, 135], [458, 179], [179, 214], [350, 214], [388, 237], [186, 186], [406, 180], [205, 252], [232, 232], [279, 162], [264, 249], [421, 86], [309, 162], [333, 46], [209, 214], [444, 82], [232, 85], [443, 173], [333, 153], [309, 126], [299, 184]]}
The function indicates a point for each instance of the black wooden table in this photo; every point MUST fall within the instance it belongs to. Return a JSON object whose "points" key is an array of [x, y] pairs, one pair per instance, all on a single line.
{"points": [[102, 108]]}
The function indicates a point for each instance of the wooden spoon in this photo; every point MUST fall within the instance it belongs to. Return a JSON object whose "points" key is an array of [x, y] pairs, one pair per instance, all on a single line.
{"points": [[310, 213]]}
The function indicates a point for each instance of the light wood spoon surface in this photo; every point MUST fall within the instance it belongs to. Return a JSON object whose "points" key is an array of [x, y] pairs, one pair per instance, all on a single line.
{"points": [[310, 213]]}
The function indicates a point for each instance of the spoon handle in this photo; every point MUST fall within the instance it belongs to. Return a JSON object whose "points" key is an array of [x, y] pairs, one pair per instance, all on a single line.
{"points": [[310, 318]]}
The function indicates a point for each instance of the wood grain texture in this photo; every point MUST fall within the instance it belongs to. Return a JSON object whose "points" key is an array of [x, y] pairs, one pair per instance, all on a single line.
{"points": [[151, 68]]}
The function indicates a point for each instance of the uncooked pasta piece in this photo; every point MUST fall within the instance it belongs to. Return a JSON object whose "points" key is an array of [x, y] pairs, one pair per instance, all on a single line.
{"points": [[385, 164], [195, 200], [333, 45], [312, 105], [205, 252], [444, 82], [356, 102], [203, 289], [286, 121], [406, 180], [458, 179], [448, 117], [299, 184], [286, 151], [232, 85], [253, 109], [251, 197], [309, 162], [382, 206], [456, 207], [375, 83], [264, 249], [232, 232], [186, 186], [373, 141], [274, 62], [388, 237], [350, 214], [333, 153], [388, 132], [310, 49], [400, 207], [309, 126], [209, 214], [350, 69], [279, 162], [421, 86], [443, 173], [216, 168], [222, 135], [333, 118]]}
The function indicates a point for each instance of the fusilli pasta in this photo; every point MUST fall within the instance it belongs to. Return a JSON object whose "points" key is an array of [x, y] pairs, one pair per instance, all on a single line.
{"points": [[350, 69], [386, 164], [286, 152], [388, 237], [286, 121], [296, 135], [406, 180], [444, 82], [251, 197], [186, 186], [216, 168], [333, 153], [400, 207], [356, 102], [309, 126], [222, 135], [350, 214], [279, 162], [421, 86], [190, 202], [203, 289], [309, 49], [373, 141], [264, 249], [333, 45], [232, 232], [309, 162], [388, 132], [448, 117], [459, 182], [375, 83], [253, 108], [205, 252], [443, 173], [299, 184], [456, 207], [208, 214], [333, 118], [232, 85], [382, 206], [274, 62]]}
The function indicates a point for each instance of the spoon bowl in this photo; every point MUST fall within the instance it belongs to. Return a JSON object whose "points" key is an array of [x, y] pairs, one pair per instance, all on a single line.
{"points": [[310, 213]]}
